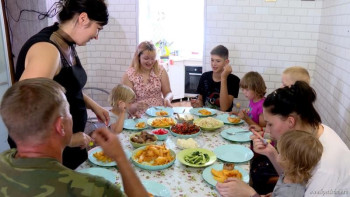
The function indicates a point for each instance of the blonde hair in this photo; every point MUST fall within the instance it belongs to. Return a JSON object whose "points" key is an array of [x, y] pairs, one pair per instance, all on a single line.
{"points": [[30, 107], [141, 48], [121, 93], [300, 151], [253, 81], [297, 73]]}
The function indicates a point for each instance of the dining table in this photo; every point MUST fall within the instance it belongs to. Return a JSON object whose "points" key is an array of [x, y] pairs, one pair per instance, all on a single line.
{"points": [[179, 179]]}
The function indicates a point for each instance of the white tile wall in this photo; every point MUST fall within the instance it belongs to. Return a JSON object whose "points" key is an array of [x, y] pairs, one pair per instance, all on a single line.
{"points": [[262, 36], [332, 71]]}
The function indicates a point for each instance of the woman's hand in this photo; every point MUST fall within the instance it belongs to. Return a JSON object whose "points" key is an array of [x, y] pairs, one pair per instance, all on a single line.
{"points": [[167, 103], [101, 114], [260, 148], [234, 187], [80, 139]]}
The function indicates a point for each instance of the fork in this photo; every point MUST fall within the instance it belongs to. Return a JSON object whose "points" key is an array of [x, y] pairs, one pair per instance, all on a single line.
{"points": [[238, 132], [132, 117]]}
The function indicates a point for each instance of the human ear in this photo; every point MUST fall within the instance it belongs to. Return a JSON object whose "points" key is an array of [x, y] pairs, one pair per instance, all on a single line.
{"points": [[59, 128], [227, 61], [291, 122], [83, 18]]}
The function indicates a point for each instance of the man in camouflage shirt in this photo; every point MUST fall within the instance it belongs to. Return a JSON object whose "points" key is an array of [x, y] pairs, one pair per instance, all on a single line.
{"points": [[36, 113]]}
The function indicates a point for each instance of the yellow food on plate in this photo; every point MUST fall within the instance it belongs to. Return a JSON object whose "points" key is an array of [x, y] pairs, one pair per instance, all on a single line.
{"points": [[100, 156], [161, 113], [204, 112], [140, 125], [163, 122], [233, 119], [209, 122], [154, 155], [222, 175]]}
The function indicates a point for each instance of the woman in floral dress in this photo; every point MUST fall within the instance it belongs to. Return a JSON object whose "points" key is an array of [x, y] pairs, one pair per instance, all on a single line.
{"points": [[148, 79]]}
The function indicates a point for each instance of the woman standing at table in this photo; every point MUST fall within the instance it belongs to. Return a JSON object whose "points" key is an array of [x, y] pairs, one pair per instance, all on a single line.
{"points": [[291, 108], [148, 79], [51, 54]]}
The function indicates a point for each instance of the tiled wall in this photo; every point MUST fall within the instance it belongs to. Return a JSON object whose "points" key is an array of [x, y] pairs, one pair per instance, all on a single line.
{"points": [[262, 36], [108, 57], [332, 73]]}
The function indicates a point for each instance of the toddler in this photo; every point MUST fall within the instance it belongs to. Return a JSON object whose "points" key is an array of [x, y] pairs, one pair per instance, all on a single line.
{"points": [[293, 74], [299, 153], [120, 99]]}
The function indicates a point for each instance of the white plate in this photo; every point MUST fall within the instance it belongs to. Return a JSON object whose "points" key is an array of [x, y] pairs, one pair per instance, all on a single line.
{"points": [[153, 110], [100, 163], [101, 172], [233, 153], [208, 177]]}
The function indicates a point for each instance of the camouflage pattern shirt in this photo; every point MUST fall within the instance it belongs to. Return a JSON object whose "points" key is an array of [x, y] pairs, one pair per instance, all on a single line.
{"points": [[46, 177]]}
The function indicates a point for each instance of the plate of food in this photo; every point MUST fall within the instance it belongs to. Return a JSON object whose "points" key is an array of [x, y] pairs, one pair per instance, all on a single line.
{"points": [[236, 134], [96, 156], [203, 111], [160, 111], [219, 173], [188, 143], [135, 124], [233, 153], [208, 123], [196, 157], [153, 157], [163, 122], [185, 130], [230, 119], [109, 175], [142, 138]]}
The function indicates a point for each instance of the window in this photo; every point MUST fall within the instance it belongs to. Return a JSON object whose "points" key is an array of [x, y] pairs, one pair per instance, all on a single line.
{"points": [[177, 23]]}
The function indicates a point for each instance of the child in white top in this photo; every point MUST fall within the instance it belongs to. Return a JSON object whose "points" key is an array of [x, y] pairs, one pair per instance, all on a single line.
{"points": [[120, 99], [294, 73]]}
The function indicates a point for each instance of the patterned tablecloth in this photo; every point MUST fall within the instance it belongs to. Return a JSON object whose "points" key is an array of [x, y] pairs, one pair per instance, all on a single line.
{"points": [[181, 180]]}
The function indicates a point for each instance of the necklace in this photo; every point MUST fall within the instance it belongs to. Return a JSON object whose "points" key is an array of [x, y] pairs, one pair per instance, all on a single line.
{"points": [[66, 46]]}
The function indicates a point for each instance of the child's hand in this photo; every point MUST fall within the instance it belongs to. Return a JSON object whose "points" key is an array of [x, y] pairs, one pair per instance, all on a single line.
{"points": [[226, 72], [195, 103]]}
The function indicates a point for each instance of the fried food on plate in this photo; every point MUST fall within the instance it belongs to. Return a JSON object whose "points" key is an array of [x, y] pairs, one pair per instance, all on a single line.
{"points": [[140, 125], [163, 122], [233, 119], [100, 156], [204, 112], [222, 175], [161, 113]]}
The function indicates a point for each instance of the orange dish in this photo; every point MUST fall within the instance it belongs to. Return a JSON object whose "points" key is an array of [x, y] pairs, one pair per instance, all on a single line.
{"points": [[233, 119], [161, 113], [100, 156], [204, 112], [140, 125], [163, 122], [154, 155], [222, 175]]}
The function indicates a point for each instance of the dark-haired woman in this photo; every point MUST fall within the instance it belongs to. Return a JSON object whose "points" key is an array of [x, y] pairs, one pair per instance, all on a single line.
{"points": [[291, 108], [51, 53]]}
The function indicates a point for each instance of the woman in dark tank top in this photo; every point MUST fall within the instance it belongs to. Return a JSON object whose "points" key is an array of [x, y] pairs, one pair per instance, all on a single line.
{"points": [[51, 53]]}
